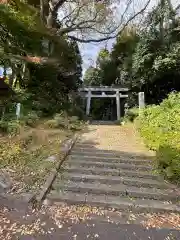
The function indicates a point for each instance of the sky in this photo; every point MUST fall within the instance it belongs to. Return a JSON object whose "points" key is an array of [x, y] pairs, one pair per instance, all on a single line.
{"points": [[89, 52]]}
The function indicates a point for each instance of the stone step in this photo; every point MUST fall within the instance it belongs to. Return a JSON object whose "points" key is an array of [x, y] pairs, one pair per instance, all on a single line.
{"points": [[88, 145], [128, 166], [111, 172], [121, 203], [139, 182], [109, 159], [118, 190], [89, 148], [94, 152]]}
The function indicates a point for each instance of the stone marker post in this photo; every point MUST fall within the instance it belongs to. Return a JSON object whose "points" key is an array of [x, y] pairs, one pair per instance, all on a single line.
{"points": [[141, 100], [18, 110], [118, 105], [88, 105]]}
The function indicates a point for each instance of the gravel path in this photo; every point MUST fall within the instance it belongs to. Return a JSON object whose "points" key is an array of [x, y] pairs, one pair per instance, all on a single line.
{"points": [[115, 138]]}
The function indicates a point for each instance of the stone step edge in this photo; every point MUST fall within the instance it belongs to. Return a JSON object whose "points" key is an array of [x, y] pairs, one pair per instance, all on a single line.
{"points": [[119, 190], [111, 165], [103, 171], [122, 204], [115, 179], [110, 160], [88, 146], [109, 152], [96, 152]]}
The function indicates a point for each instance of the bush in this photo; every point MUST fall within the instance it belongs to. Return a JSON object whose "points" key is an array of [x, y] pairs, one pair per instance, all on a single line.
{"points": [[3, 126], [10, 127], [73, 119], [31, 119], [62, 120], [131, 115], [160, 128], [52, 123]]}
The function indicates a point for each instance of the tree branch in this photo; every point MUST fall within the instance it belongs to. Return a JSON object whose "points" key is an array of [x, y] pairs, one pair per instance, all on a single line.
{"points": [[78, 26], [177, 8], [114, 36], [77, 13], [57, 5]]}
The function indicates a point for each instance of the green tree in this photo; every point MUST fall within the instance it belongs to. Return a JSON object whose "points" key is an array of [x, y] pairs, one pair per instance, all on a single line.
{"points": [[47, 74], [155, 61], [92, 77], [39, 42]]}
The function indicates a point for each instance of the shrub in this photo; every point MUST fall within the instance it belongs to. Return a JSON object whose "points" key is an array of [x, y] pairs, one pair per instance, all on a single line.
{"points": [[3, 126], [52, 123], [73, 119], [31, 119], [62, 120], [131, 115], [10, 127], [160, 128]]}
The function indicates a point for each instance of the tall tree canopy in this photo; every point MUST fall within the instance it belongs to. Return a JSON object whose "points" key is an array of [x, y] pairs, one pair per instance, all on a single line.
{"points": [[39, 42], [43, 64], [145, 57]]}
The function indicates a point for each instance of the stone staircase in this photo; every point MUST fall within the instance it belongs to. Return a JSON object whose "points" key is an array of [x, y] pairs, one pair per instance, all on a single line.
{"points": [[110, 179]]}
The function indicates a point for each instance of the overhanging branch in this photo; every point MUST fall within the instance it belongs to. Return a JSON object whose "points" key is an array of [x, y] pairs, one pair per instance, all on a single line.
{"points": [[58, 4], [116, 34]]}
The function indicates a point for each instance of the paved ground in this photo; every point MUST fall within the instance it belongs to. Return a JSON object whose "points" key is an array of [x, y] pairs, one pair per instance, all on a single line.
{"points": [[115, 138], [117, 172], [18, 222]]}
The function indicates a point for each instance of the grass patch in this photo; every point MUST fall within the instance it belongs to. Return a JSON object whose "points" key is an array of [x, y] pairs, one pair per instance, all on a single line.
{"points": [[24, 156]]}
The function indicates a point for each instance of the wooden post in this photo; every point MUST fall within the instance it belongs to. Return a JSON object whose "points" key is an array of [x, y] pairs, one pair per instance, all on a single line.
{"points": [[88, 105], [118, 105]]}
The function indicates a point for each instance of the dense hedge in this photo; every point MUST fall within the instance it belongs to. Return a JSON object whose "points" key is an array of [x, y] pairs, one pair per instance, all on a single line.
{"points": [[160, 128]]}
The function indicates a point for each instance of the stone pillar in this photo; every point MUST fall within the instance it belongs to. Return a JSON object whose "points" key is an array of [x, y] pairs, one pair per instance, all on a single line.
{"points": [[141, 100], [88, 105], [118, 105]]}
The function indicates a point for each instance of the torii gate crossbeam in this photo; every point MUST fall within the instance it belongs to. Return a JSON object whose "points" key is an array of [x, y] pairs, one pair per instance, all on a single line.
{"points": [[106, 92]]}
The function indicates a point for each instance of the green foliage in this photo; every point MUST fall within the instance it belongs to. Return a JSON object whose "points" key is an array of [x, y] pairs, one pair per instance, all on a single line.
{"points": [[92, 77], [51, 123], [146, 58], [131, 115], [3, 126], [62, 120], [160, 128], [31, 119], [26, 155], [103, 56], [10, 127], [46, 85]]}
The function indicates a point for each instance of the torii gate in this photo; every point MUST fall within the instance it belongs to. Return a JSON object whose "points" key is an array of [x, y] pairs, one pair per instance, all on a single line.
{"points": [[105, 92]]}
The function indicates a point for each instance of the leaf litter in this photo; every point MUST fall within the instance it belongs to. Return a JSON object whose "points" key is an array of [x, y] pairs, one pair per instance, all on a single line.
{"points": [[64, 214]]}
